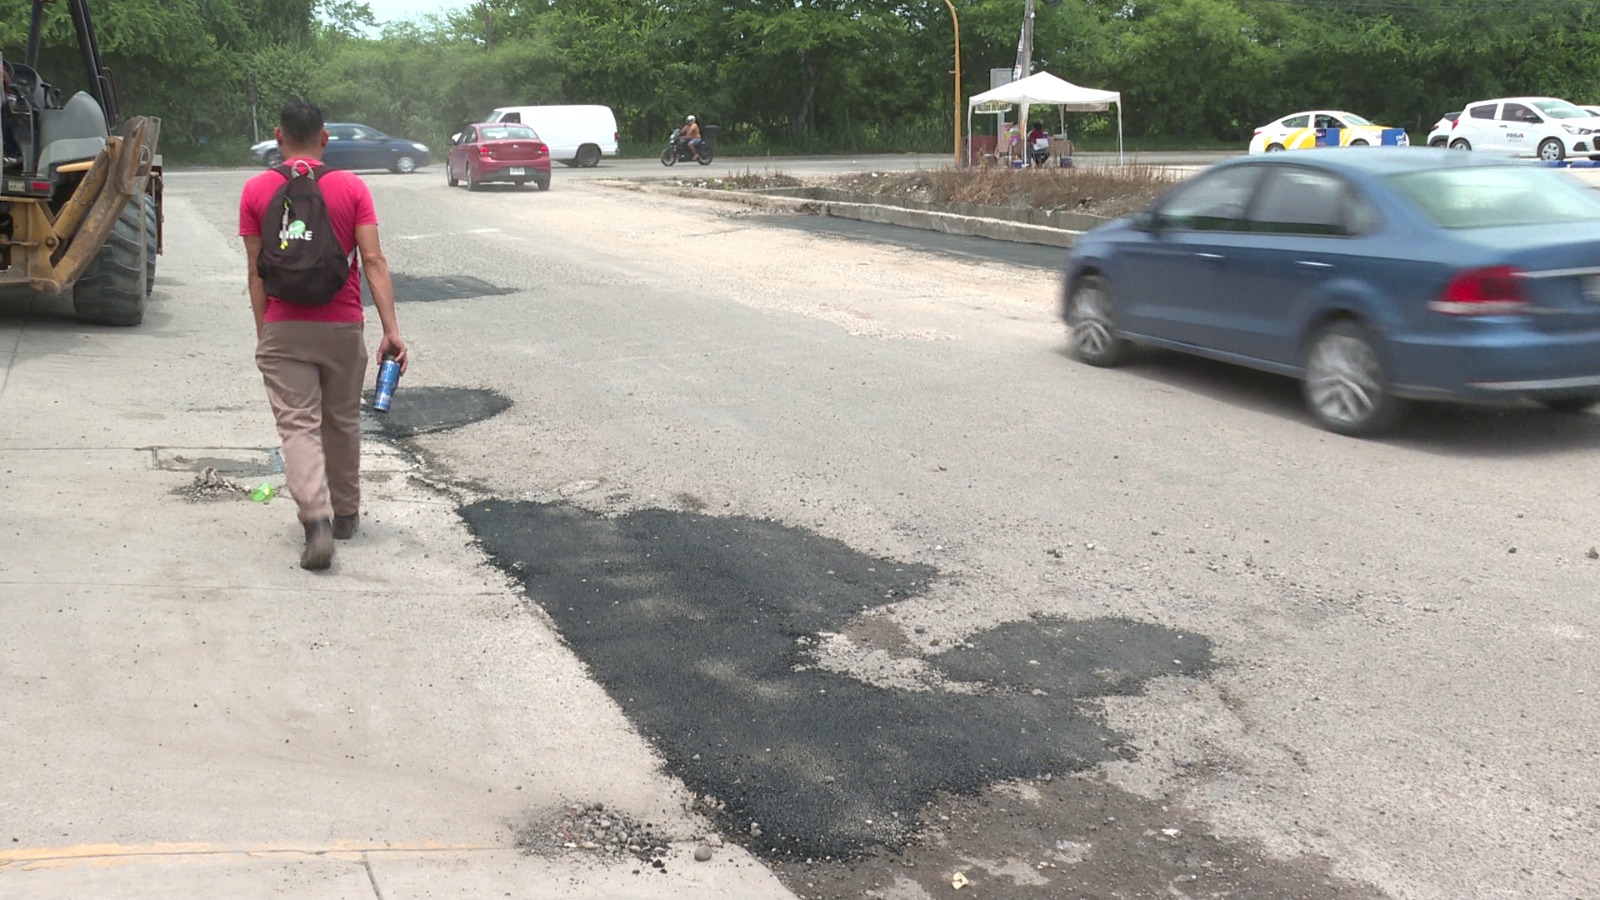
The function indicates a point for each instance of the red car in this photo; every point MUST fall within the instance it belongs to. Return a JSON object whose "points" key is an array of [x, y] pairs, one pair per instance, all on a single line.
{"points": [[497, 151]]}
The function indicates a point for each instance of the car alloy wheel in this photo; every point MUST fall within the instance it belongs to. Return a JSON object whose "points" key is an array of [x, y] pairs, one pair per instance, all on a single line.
{"points": [[1359, 144], [1460, 144], [1275, 148], [274, 159], [1092, 325], [1345, 385], [405, 165], [588, 156], [450, 174], [1440, 143], [472, 178], [1552, 150]]}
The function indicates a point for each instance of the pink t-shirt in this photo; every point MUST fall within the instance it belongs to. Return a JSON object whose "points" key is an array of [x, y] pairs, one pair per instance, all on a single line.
{"points": [[349, 204]]}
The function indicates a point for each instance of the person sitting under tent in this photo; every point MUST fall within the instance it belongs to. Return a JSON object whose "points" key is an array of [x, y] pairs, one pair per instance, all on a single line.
{"points": [[1038, 145]]}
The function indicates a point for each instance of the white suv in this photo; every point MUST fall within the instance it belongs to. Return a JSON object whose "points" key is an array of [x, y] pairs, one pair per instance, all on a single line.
{"points": [[1545, 127]]}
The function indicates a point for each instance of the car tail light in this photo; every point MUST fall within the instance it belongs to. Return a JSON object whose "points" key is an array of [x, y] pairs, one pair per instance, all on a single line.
{"points": [[485, 150], [1454, 123], [1492, 291], [540, 149]]}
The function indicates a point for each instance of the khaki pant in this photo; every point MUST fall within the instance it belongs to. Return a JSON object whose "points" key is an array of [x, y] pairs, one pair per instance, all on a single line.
{"points": [[314, 372]]}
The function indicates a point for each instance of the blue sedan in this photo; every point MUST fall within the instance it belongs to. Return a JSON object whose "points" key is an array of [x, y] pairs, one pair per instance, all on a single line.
{"points": [[1375, 278]]}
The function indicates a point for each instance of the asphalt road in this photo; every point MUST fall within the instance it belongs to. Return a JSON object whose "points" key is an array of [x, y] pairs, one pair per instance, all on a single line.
{"points": [[872, 564]]}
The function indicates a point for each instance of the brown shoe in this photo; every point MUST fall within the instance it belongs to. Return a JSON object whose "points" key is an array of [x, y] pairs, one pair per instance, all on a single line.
{"points": [[344, 527], [318, 554]]}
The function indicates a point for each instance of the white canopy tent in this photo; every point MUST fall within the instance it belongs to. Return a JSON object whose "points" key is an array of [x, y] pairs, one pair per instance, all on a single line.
{"points": [[1044, 89]]}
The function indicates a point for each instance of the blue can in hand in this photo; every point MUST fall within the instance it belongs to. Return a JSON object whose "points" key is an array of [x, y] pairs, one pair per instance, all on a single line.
{"points": [[388, 380]]}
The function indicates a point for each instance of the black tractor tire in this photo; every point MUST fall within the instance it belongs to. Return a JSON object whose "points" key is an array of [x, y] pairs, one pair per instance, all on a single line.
{"points": [[113, 288]]}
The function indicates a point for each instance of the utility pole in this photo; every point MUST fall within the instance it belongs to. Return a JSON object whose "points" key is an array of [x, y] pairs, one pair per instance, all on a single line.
{"points": [[1025, 59], [1024, 66], [955, 24], [488, 27], [250, 97]]}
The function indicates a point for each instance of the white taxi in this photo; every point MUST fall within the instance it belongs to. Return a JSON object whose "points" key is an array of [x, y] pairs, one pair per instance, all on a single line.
{"points": [[1315, 128], [1547, 127]]}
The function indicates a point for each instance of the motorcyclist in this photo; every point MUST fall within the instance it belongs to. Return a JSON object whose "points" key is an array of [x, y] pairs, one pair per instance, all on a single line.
{"points": [[691, 135]]}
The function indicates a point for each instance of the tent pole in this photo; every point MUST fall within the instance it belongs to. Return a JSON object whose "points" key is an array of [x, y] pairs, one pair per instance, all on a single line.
{"points": [[1119, 132]]}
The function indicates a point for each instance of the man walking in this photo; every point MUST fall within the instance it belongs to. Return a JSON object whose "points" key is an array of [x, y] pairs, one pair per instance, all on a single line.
{"points": [[313, 359]]}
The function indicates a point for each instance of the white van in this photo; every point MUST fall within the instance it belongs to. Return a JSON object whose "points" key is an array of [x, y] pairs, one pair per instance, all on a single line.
{"points": [[576, 135]]}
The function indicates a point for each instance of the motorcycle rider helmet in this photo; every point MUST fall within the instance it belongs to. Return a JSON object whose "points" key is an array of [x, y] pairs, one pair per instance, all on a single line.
{"points": [[688, 118]]}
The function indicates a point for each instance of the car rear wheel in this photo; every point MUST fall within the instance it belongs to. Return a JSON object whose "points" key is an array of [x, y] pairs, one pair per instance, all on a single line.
{"points": [[1460, 144], [405, 165], [450, 174], [588, 156], [1346, 388], [472, 178], [1552, 150], [1274, 148], [274, 159], [1359, 144], [1092, 325], [542, 184], [1439, 142]]}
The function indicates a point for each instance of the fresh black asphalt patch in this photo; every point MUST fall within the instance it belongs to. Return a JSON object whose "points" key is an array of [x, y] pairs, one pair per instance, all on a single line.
{"points": [[424, 410], [429, 288], [698, 627], [963, 248]]}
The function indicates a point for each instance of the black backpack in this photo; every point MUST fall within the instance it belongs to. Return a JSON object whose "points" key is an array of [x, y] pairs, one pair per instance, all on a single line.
{"points": [[301, 261]]}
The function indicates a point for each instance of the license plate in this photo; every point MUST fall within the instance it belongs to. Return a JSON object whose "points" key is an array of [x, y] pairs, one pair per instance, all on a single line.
{"points": [[1591, 288], [519, 171]]}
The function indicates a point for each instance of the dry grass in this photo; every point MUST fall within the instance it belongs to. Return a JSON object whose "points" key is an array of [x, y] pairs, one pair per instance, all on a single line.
{"points": [[1099, 190]]}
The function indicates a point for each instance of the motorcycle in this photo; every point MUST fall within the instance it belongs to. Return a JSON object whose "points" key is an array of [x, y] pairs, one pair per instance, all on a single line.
{"points": [[678, 150]]}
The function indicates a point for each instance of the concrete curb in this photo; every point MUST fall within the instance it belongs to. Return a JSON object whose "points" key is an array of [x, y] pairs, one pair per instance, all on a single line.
{"points": [[926, 220]]}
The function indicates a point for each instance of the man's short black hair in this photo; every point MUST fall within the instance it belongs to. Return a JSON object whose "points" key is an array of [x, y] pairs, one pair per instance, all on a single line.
{"points": [[300, 121]]}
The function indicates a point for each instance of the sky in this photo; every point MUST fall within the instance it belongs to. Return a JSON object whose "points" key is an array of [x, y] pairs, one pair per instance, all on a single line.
{"points": [[389, 10]]}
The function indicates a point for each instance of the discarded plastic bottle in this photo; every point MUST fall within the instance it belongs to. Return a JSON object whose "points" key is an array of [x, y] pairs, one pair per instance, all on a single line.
{"points": [[263, 492], [388, 380]]}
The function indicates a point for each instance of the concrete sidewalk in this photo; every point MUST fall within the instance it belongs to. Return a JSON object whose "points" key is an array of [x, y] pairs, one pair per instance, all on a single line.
{"points": [[187, 713]]}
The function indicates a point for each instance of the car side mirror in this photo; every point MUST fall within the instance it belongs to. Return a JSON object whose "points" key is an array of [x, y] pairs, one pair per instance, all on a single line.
{"points": [[455, 138], [1147, 220]]}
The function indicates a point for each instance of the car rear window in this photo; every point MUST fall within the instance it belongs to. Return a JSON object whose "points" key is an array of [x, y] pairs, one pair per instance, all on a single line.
{"points": [[1496, 196], [508, 133]]}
